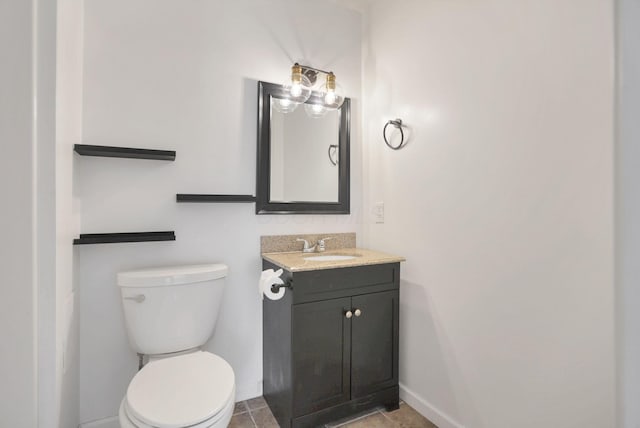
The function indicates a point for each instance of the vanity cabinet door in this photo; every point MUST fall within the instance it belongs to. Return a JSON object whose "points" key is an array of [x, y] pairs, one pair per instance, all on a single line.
{"points": [[374, 342], [321, 361]]}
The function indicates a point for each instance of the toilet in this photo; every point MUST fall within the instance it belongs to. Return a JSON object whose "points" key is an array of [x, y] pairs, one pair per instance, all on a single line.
{"points": [[170, 313]]}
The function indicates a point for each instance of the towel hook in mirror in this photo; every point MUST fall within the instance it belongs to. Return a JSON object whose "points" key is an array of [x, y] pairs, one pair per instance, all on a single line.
{"points": [[333, 154], [398, 124]]}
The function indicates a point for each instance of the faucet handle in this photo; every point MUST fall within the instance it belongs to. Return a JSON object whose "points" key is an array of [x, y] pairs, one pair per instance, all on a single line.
{"points": [[321, 243], [306, 248]]}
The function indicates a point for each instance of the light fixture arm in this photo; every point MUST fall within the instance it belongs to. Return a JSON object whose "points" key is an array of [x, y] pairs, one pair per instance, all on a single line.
{"points": [[317, 70], [311, 72]]}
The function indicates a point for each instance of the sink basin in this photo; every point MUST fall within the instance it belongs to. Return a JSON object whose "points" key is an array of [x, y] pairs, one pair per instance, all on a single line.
{"points": [[329, 258]]}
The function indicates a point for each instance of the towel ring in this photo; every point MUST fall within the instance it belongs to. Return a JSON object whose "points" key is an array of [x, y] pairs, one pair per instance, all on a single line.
{"points": [[398, 124], [333, 154]]}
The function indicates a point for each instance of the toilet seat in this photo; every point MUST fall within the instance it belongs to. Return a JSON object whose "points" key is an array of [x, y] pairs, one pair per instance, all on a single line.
{"points": [[221, 420], [192, 390]]}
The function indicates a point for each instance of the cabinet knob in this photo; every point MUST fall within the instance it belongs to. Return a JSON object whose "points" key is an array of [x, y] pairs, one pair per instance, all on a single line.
{"points": [[358, 312], [348, 314]]}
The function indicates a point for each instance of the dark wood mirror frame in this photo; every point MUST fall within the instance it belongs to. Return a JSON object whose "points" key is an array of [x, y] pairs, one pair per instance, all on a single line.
{"points": [[263, 185]]}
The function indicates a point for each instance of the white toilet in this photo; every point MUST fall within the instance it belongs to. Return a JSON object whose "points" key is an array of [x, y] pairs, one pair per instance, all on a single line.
{"points": [[170, 312]]}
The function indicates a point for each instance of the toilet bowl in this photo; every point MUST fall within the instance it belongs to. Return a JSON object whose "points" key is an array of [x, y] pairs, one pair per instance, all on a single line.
{"points": [[170, 313], [195, 390]]}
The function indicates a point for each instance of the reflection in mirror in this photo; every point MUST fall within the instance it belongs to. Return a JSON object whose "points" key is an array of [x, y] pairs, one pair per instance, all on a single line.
{"points": [[302, 157]]}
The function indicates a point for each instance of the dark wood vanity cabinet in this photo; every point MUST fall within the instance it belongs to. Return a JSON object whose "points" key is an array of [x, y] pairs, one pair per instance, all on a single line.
{"points": [[331, 344]]}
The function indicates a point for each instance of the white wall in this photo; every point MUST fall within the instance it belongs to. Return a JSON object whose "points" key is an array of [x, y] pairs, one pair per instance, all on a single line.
{"points": [[27, 300], [18, 299], [44, 193], [68, 132], [171, 74], [502, 204], [628, 211]]}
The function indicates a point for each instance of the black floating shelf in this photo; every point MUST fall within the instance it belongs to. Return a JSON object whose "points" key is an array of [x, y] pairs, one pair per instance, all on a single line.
{"points": [[124, 152], [112, 238], [186, 197]]}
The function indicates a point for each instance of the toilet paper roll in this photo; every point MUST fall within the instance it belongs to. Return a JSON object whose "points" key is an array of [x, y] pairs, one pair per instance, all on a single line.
{"points": [[267, 291], [268, 278], [266, 274]]}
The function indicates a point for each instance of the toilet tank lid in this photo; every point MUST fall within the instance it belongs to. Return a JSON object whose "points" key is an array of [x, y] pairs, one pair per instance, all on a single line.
{"points": [[171, 275]]}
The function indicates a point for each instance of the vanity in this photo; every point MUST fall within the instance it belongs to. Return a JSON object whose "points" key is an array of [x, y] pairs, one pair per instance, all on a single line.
{"points": [[330, 344]]}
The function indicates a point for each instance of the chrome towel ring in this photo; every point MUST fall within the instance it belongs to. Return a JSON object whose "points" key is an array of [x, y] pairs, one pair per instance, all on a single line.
{"points": [[333, 154], [398, 124]]}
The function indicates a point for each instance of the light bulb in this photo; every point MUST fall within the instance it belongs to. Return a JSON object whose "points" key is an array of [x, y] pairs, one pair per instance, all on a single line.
{"points": [[297, 87], [333, 96], [315, 110], [283, 105], [330, 97]]}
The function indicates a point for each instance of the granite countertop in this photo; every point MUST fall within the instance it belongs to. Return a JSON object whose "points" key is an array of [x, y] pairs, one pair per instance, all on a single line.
{"points": [[296, 262]]}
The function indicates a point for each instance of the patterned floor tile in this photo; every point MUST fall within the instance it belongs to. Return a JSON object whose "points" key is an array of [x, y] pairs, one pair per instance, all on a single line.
{"points": [[264, 418], [256, 403], [241, 407], [407, 417], [242, 420]]}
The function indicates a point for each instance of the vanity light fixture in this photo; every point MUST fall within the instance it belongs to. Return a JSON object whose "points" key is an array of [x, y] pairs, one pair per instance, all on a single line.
{"points": [[301, 85], [332, 93]]}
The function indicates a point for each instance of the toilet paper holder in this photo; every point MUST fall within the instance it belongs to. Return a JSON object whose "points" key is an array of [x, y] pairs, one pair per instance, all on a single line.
{"points": [[288, 284]]}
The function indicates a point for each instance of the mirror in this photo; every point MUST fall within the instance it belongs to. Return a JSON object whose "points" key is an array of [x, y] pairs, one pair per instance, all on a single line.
{"points": [[303, 161]]}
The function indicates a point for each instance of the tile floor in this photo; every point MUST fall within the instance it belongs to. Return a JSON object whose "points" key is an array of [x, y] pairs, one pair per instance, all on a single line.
{"points": [[255, 413]]}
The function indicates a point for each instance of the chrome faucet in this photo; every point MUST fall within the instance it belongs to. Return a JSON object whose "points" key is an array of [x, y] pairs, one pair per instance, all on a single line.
{"points": [[306, 248], [321, 247]]}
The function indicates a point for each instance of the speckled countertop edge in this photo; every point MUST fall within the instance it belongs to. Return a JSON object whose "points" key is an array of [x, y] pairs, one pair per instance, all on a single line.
{"points": [[295, 261]]}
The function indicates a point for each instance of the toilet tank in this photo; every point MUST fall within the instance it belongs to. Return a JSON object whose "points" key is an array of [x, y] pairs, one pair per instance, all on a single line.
{"points": [[171, 309]]}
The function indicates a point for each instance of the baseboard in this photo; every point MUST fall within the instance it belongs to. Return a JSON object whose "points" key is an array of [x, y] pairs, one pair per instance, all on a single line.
{"points": [[441, 419], [111, 422]]}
